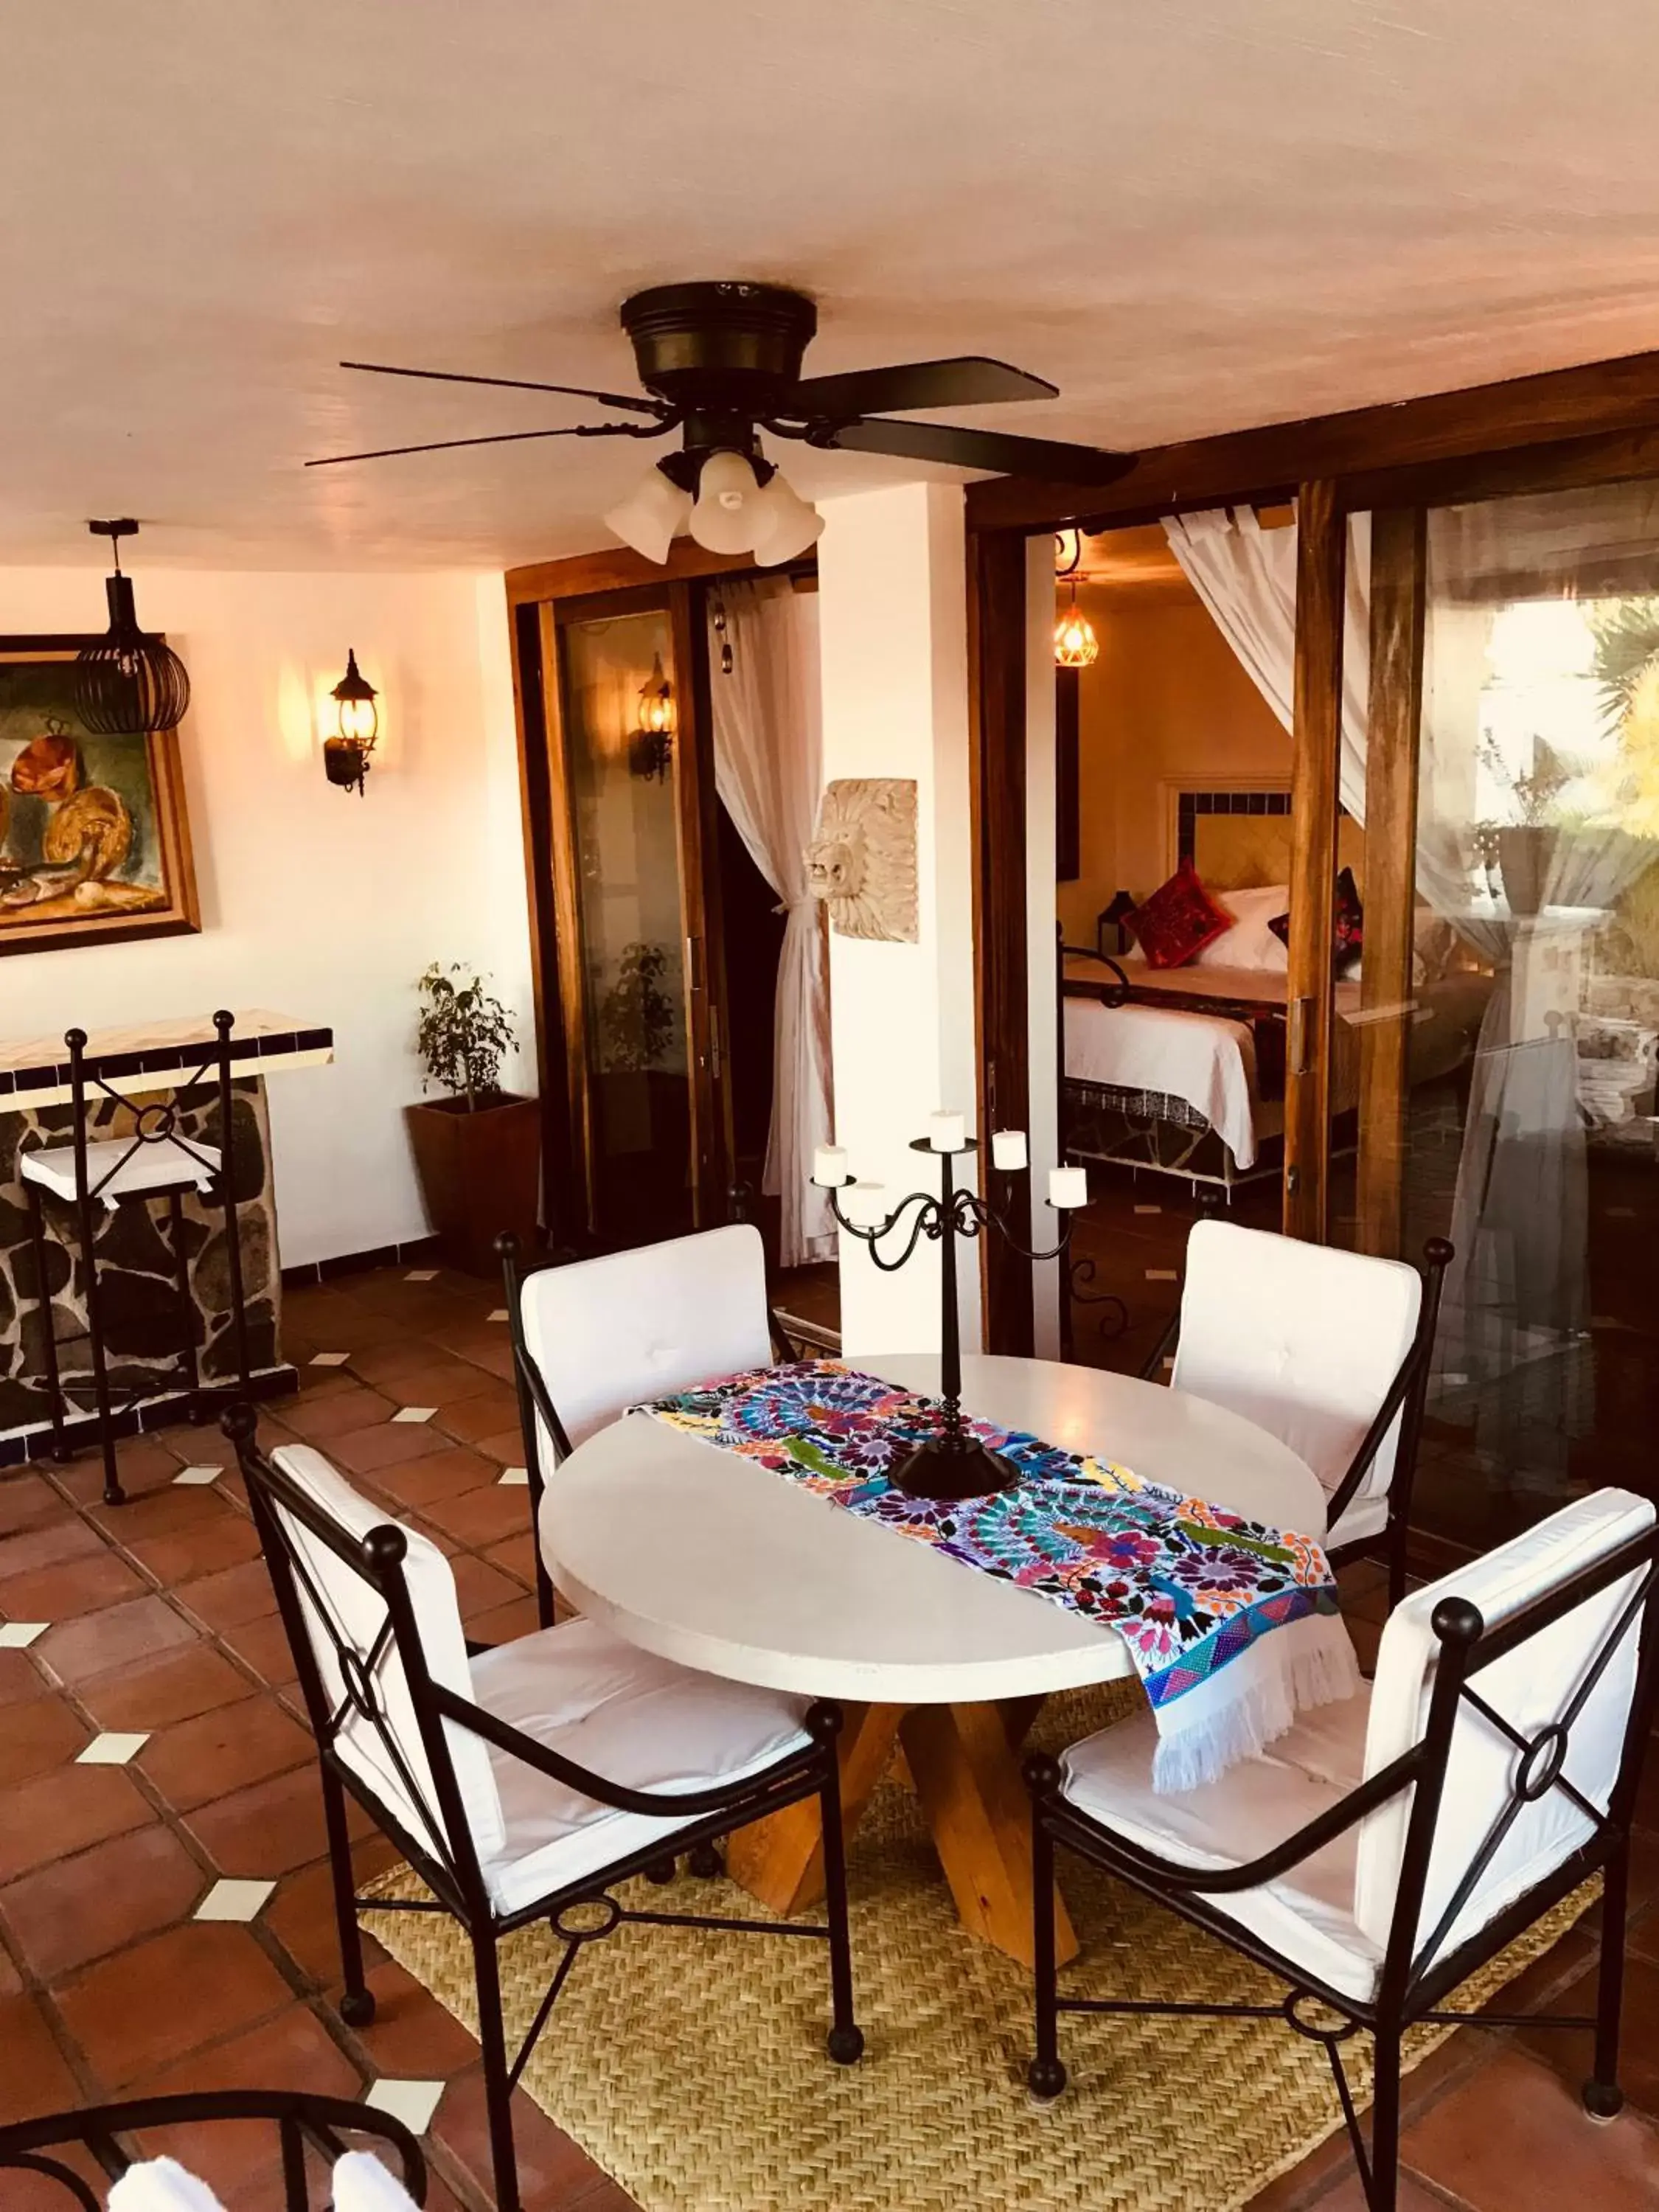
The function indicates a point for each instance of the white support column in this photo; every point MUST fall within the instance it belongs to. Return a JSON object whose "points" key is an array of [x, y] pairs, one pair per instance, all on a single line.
{"points": [[1042, 1021], [892, 599]]}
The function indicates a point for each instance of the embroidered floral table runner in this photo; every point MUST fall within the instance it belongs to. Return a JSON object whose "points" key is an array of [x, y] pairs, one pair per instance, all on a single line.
{"points": [[1233, 1627]]}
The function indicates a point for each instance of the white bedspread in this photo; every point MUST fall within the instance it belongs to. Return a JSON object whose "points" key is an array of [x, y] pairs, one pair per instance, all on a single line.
{"points": [[1200, 1058]]}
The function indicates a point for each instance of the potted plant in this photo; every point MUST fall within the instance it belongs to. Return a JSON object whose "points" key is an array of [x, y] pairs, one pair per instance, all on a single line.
{"points": [[477, 1151], [1526, 848]]}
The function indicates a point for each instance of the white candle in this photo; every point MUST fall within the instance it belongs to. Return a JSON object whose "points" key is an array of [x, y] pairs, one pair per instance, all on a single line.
{"points": [[866, 1203], [1068, 1187], [946, 1131], [1008, 1149], [829, 1167]]}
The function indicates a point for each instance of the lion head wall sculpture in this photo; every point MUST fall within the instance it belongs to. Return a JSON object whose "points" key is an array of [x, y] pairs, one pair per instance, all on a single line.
{"points": [[862, 860]]}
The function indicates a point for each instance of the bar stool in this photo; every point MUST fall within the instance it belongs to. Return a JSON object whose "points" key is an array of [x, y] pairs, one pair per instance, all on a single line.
{"points": [[157, 1161]]}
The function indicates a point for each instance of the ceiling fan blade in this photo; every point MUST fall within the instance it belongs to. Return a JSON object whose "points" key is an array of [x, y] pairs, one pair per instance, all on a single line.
{"points": [[969, 379], [634, 404], [501, 438], [1044, 461]]}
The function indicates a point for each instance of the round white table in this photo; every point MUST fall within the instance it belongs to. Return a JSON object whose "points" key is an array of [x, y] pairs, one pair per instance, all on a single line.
{"points": [[704, 1558]]}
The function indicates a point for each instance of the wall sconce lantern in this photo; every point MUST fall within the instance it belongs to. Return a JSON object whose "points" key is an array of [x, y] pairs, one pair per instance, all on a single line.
{"points": [[356, 721], [130, 682], [650, 748], [1076, 645]]}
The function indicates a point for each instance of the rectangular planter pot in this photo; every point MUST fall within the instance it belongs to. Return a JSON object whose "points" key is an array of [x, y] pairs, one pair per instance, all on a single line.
{"points": [[480, 1174]]}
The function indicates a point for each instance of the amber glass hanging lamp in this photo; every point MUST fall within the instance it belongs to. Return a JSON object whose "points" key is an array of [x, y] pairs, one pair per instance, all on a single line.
{"points": [[1076, 645]]}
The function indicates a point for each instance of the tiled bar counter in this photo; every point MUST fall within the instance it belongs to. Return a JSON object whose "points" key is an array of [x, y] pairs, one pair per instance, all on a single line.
{"points": [[136, 1284]]}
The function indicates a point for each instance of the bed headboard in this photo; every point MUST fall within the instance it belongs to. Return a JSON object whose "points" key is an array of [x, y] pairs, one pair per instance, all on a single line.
{"points": [[1241, 837]]}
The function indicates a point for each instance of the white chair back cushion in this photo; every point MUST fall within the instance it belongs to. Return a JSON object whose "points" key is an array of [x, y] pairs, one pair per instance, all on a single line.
{"points": [[607, 1333], [1530, 1687], [1301, 1339], [359, 1614]]}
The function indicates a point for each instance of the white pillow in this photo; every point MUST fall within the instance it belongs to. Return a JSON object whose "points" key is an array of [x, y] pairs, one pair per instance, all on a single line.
{"points": [[1249, 943]]}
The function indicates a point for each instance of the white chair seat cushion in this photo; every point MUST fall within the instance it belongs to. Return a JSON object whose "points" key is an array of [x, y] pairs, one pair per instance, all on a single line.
{"points": [[638, 1721], [155, 1166], [1307, 1917], [1360, 1520]]}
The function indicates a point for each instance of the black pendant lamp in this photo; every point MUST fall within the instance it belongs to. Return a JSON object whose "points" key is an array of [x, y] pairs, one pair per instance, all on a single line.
{"points": [[130, 682]]}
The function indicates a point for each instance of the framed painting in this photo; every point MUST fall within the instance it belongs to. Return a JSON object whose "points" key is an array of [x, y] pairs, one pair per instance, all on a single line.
{"points": [[94, 841]]}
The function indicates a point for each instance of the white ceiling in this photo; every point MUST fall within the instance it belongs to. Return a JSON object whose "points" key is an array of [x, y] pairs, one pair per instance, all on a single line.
{"points": [[1191, 215]]}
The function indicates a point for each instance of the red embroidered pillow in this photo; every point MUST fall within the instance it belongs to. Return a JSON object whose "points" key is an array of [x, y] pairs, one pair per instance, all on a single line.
{"points": [[1179, 919], [1347, 923]]}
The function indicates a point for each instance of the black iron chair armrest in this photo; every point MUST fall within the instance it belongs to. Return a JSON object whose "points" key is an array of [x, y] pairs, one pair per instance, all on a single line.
{"points": [[1386, 1414], [322, 2120], [1042, 1778], [823, 1724], [1154, 1360], [1411, 1377]]}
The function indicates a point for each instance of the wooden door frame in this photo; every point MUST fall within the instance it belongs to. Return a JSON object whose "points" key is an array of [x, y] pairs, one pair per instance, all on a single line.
{"points": [[1597, 423], [531, 589]]}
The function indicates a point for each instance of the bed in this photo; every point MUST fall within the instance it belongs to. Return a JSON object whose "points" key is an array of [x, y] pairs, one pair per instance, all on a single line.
{"points": [[1182, 1070]]}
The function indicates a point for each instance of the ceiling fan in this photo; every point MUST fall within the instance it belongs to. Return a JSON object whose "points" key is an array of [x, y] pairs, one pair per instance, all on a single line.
{"points": [[722, 363]]}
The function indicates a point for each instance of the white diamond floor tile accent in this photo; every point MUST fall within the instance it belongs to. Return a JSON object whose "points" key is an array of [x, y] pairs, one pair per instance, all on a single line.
{"points": [[234, 1901], [499, 1313], [1162, 1275], [16, 1635], [421, 1275], [412, 2102], [202, 1474], [329, 1358], [1149, 1209], [112, 1749], [514, 1474], [414, 1412]]}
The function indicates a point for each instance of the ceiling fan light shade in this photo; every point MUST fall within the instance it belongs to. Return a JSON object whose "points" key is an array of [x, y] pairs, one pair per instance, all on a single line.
{"points": [[725, 517], [784, 523], [650, 517]]}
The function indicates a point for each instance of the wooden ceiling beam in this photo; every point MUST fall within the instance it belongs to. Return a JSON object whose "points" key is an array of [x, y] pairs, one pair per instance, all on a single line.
{"points": [[1603, 399]]}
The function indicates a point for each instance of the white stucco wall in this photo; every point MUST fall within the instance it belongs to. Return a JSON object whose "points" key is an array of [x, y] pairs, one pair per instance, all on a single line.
{"points": [[893, 600], [314, 901]]}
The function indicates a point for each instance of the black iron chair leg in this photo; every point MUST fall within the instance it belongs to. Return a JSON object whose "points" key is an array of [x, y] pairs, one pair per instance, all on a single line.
{"points": [[114, 1493], [1385, 2185], [498, 2083], [357, 2006], [60, 1450], [1399, 1536], [1603, 2099], [227, 1193], [1045, 2074], [188, 1376], [844, 2041]]}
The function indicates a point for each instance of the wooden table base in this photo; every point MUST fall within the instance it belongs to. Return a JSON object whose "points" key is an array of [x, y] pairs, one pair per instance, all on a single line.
{"points": [[964, 1762]]}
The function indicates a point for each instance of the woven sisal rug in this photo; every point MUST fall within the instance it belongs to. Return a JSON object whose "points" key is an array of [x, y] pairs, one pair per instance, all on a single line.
{"points": [[691, 2065]]}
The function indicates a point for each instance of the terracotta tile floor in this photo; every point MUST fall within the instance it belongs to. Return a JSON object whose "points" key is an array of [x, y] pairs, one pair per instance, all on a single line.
{"points": [[161, 1623]]}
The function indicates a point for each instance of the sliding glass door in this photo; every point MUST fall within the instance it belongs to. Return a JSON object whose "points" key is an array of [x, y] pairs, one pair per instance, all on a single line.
{"points": [[1505, 1023]]}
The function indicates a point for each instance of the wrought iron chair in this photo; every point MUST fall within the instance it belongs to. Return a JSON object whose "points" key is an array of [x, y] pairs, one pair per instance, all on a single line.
{"points": [[592, 1337], [1389, 1846], [1329, 1350], [301, 2120], [157, 1160], [462, 1755]]}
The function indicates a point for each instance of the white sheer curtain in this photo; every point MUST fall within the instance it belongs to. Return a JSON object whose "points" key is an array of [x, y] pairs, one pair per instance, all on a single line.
{"points": [[1246, 577], [768, 772]]}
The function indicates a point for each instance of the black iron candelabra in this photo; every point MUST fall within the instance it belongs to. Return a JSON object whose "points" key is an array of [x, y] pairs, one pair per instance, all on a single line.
{"points": [[954, 1462]]}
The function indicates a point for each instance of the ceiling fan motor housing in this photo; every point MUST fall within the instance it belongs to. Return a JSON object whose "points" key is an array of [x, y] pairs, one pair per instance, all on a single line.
{"points": [[720, 348]]}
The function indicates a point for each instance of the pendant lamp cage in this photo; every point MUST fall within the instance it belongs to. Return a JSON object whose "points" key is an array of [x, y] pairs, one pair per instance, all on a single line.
{"points": [[130, 682]]}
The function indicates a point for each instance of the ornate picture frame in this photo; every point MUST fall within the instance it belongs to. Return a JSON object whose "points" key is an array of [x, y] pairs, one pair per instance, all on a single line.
{"points": [[95, 835]]}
